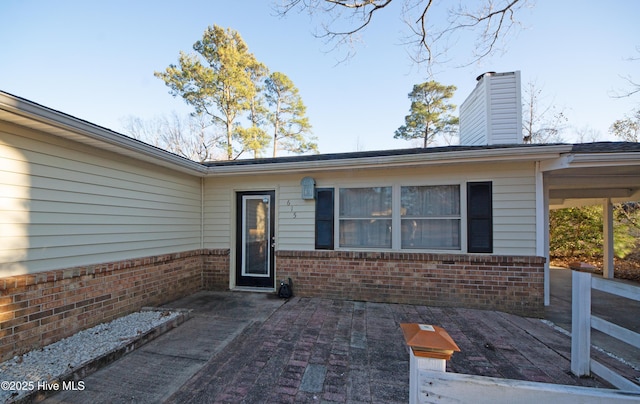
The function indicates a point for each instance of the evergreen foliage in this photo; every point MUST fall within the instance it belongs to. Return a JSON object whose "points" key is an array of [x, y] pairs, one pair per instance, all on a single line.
{"points": [[287, 116], [578, 232], [225, 82], [430, 113]]}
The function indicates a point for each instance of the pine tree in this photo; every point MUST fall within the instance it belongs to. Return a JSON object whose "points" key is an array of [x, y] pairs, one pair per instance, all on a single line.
{"points": [[430, 113]]}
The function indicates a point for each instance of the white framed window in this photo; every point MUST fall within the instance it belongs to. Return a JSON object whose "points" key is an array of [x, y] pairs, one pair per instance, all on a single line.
{"points": [[365, 217], [400, 217], [430, 217]]}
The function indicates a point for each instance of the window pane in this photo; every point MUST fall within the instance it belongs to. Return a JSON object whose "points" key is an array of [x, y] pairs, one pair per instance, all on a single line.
{"points": [[365, 217], [431, 233], [365, 202], [365, 233], [442, 200]]}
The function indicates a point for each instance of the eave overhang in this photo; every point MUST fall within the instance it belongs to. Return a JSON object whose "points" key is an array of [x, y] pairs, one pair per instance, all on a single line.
{"points": [[28, 114], [395, 161], [554, 159]]}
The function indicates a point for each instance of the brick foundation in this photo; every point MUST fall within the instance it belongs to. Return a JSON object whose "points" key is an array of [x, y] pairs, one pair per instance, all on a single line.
{"points": [[41, 308], [38, 309], [215, 271], [513, 284]]}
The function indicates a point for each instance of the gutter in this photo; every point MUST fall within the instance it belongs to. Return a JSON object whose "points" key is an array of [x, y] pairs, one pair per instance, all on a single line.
{"points": [[67, 126], [400, 160], [17, 110], [608, 159]]}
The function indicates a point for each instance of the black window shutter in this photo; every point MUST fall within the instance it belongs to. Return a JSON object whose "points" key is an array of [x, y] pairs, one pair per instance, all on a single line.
{"points": [[324, 218], [479, 217]]}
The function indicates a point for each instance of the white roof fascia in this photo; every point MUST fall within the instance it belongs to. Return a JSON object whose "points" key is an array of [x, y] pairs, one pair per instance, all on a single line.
{"points": [[557, 164], [540, 153], [605, 159], [27, 113]]}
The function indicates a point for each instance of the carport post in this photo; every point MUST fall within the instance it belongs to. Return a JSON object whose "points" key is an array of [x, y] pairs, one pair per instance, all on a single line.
{"points": [[607, 219], [580, 321]]}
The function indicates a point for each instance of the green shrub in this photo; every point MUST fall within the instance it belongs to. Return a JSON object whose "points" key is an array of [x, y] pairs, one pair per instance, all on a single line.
{"points": [[578, 232]]}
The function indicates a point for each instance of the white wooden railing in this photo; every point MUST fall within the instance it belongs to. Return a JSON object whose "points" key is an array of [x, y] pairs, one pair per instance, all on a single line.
{"points": [[430, 383], [582, 322]]}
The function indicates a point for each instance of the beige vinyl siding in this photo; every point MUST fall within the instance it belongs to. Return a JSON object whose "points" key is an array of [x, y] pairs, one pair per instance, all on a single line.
{"points": [[513, 197], [474, 115], [514, 210], [69, 205], [492, 113], [218, 208], [506, 109], [294, 216]]}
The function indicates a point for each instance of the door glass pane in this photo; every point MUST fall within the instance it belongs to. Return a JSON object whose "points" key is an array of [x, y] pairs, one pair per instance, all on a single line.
{"points": [[256, 236]]}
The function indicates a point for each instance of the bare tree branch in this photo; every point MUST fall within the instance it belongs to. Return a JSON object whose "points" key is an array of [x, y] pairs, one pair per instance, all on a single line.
{"points": [[541, 123], [633, 85], [635, 89], [495, 18]]}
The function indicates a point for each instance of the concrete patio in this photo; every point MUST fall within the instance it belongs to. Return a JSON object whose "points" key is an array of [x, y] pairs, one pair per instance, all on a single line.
{"points": [[251, 347]]}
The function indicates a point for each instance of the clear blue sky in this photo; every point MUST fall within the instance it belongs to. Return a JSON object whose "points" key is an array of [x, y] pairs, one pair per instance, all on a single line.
{"points": [[95, 60]]}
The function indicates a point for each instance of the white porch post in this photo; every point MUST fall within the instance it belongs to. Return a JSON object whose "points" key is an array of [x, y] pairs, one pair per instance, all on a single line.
{"points": [[430, 347], [607, 221], [542, 228], [416, 364], [580, 322]]}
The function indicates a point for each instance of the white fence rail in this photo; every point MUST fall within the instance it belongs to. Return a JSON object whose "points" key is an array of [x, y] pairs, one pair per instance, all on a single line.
{"points": [[430, 383], [441, 387], [582, 321]]}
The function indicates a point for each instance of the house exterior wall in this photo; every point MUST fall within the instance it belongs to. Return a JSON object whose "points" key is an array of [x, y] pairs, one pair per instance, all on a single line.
{"points": [[39, 309], [514, 212], [87, 235], [66, 204], [219, 209], [507, 283], [510, 279]]}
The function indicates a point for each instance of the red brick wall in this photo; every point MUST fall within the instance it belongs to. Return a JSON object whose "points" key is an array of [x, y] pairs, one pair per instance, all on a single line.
{"points": [[215, 270], [512, 284], [41, 308]]}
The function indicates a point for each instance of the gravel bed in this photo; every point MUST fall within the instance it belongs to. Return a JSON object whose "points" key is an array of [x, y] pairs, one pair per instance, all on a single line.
{"points": [[53, 361]]}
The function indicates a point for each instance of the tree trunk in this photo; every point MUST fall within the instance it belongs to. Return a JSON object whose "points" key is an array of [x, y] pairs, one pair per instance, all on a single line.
{"points": [[426, 136], [229, 140]]}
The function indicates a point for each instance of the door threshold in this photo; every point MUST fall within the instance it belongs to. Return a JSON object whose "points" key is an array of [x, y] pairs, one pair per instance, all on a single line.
{"points": [[253, 289]]}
